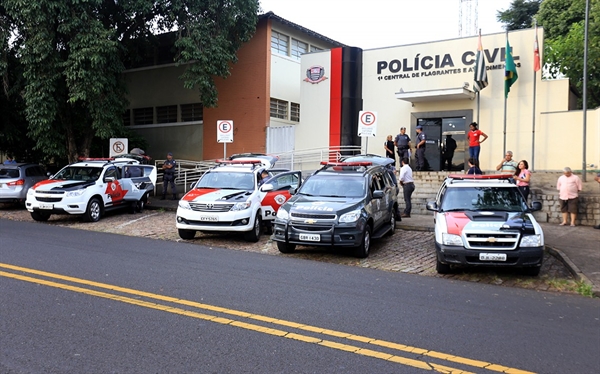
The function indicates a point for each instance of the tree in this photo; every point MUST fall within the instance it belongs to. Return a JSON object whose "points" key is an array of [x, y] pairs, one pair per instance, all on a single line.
{"points": [[519, 15], [563, 22], [72, 54]]}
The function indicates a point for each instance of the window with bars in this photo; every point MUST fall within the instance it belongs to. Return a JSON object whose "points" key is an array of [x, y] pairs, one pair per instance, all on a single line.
{"points": [[295, 112], [279, 43], [279, 108], [143, 116], [191, 112], [298, 48], [127, 117], [166, 114]]}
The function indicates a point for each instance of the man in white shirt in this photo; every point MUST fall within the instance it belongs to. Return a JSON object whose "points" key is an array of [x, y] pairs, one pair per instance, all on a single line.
{"points": [[408, 185]]}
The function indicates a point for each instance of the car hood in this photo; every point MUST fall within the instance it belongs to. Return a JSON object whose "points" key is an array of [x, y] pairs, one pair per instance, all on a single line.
{"points": [[318, 204], [61, 185], [216, 194], [459, 222]]}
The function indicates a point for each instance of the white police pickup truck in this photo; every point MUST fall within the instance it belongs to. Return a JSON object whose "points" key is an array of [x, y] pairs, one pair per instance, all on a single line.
{"points": [[91, 187], [231, 197]]}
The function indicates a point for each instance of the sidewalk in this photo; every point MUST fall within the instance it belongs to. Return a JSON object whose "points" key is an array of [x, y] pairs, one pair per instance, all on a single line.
{"points": [[577, 247]]}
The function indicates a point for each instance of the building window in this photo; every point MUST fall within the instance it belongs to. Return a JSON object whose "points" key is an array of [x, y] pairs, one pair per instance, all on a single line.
{"points": [[298, 48], [166, 114], [191, 112], [127, 118], [279, 43], [143, 116], [279, 109], [295, 112], [315, 49]]}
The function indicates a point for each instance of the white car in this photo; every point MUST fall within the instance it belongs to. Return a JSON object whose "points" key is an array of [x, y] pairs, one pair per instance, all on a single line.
{"points": [[484, 220], [89, 188], [231, 197]]}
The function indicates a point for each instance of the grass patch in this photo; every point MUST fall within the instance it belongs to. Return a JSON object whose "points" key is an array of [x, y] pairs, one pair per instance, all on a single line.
{"points": [[584, 289]]}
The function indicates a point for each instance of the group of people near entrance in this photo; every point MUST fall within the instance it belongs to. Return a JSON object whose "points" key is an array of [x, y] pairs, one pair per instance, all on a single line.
{"points": [[568, 184]]}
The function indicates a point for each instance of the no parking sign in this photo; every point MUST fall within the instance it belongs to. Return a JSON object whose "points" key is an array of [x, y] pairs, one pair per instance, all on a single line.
{"points": [[367, 123], [225, 131]]}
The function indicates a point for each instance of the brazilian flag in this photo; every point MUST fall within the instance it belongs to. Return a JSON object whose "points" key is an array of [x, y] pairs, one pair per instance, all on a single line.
{"points": [[510, 70]]}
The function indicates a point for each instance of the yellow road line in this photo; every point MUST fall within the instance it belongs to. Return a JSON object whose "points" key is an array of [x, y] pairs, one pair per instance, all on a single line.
{"points": [[363, 339]]}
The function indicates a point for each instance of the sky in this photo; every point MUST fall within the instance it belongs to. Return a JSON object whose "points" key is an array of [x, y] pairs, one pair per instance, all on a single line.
{"points": [[384, 23]]}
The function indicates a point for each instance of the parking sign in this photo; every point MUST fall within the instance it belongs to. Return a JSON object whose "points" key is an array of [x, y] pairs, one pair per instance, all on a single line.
{"points": [[367, 123], [225, 131]]}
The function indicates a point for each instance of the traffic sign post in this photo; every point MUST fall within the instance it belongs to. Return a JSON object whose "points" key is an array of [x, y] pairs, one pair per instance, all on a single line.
{"points": [[367, 126], [118, 146], [225, 134]]}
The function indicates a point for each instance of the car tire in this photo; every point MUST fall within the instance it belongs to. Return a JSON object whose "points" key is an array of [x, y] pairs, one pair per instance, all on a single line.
{"points": [[93, 211], [40, 216], [286, 247], [392, 224], [442, 268], [187, 234], [141, 204], [532, 271], [254, 234], [362, 251]]}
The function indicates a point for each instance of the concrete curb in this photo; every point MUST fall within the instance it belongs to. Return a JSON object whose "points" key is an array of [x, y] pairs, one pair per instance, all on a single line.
{"points": [[573, 269]]}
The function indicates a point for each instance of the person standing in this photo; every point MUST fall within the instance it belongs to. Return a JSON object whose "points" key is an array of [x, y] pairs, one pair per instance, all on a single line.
{"points": [[169, 167], [449, 149], [507, 165], [389, 149], [408, 186], [9, 160], [568, 186], [523, 176], [402, 143], [473, 167], [420, 153], [474, 135], [597, 179]]}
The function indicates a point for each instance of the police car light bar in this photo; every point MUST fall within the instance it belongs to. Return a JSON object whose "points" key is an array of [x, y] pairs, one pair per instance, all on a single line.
{"points": [[478, 176], [358, 163], [239, 162], [96, 158]]}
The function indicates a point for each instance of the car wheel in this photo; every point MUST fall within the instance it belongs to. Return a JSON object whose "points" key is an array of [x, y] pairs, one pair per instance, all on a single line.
{"points": [[392, 224], [40, 216], [254, 234], [186, 234], [93, 211], [442, 268], [533, 271], [286, 247], [362, 251], [141, 204]]}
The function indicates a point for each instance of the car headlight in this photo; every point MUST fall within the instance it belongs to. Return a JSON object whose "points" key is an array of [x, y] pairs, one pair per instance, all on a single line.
{"points": [[241, 206], [531, 241], [283, 214], [75, 193], [352, 216], [31, 192], [184, 204], [451, 239]]}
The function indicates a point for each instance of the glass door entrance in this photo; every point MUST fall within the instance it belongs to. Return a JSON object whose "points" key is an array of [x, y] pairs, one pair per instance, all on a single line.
{"points": [[445, 148]]}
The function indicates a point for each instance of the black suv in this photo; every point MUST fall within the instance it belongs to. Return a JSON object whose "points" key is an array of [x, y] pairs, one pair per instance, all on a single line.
{"points": [[343, 204]]}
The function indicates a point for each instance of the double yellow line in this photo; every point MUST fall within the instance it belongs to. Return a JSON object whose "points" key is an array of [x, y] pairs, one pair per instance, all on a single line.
{"points": [[24, 274]]}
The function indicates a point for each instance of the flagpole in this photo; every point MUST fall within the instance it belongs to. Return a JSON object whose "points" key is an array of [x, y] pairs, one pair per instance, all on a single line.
{"points": [[536, 56], [478, 94], [505, 99]]}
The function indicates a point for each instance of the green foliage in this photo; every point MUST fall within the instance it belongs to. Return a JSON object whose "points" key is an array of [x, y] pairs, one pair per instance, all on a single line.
{"points": [[62, 62], [519, 15], [563, 22]]}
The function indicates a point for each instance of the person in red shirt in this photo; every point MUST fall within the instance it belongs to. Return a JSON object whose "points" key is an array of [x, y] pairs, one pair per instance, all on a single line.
{"points": [[475, 139]]}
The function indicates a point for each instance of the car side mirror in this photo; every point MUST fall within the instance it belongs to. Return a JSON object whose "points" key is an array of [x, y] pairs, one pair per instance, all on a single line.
{"points": [[378, 194], [109, 179], [266, 187], [432, 205], [192, 185], [535, 206]]}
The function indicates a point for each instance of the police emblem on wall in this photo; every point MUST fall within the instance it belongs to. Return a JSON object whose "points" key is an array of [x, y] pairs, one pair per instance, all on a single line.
{"points": [[315, 74]]}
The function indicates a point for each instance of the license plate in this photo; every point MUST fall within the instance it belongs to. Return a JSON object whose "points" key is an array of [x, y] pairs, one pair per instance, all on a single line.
{"points": [[492, 257], [46, 206], [209, 218], [310, 237]]}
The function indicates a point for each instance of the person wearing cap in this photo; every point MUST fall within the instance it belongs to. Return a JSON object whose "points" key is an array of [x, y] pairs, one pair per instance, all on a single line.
{"points": [[421, 144], [402, 143], [169, 167], [568, 186]]}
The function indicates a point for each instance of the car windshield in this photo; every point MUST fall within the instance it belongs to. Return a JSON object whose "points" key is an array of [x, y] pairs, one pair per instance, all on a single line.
{"points": [[483, 198], [85, 173], [9, 173], [338, 186], [228, 180]]}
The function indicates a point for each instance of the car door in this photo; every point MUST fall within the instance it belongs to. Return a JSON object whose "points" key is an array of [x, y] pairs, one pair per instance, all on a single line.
{"points": [[276, 191], [114, 192]]}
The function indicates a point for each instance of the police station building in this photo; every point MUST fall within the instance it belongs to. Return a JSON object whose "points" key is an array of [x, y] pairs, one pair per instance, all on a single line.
{"points": [[431, 84]]}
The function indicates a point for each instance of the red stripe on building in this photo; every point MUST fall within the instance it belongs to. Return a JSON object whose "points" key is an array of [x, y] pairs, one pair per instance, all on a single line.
{"points": [[335, 97]]}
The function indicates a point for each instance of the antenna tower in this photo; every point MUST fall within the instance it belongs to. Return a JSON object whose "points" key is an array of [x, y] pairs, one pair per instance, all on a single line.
{"points": [[468, 24]]}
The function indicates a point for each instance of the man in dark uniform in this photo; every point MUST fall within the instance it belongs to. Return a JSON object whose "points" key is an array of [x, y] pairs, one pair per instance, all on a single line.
{"points": [[169, 167], [420, 153], [402, 142], [449, 149]]}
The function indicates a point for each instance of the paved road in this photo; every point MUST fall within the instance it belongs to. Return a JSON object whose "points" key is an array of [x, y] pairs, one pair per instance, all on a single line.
{"points": [[136, 305]]}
